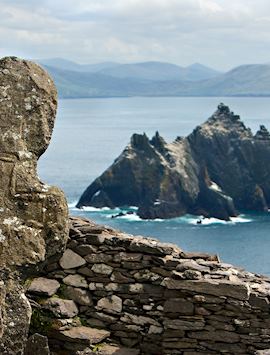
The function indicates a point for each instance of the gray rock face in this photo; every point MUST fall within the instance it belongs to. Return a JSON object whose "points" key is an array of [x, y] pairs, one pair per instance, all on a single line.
{"points": [[33, 216], [37, 344], [220, 168]]}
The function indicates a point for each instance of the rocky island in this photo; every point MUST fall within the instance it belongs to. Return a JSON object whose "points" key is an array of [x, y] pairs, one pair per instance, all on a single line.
{"points": [[71, 287], [219, 169]]}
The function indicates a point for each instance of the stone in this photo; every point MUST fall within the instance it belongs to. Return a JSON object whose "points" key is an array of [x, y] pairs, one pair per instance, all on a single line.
{"points": [[192, 275], [102, 269], [83, 335], [138, 320], [37, 344], [150, 246], [71, 260], [61, 308], [237, 290], [185, 323], [181, 345], [44, 286], [112, 304], [118, 277], [85, 249], [155, 330], [179, 305], [76, 281], [85, 271], [192, 265], [79, 296], [34, 216], [217, 335], [123, 256], [98, 258]]}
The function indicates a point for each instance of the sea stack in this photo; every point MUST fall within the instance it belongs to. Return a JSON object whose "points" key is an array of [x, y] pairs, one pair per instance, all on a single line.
{"points": [[218, 170]]}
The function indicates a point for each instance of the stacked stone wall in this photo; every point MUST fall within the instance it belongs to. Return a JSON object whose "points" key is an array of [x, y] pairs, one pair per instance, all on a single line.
{"points": [[151, 296]]}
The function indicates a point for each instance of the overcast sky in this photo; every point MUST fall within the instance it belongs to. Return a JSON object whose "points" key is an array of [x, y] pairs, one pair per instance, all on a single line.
{"points": [[218, 33]]}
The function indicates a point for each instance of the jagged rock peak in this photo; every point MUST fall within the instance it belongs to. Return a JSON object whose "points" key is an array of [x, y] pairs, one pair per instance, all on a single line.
{"points": [[158, 142], [224, 113], [262, 133], [224, 121], [139, 141]]}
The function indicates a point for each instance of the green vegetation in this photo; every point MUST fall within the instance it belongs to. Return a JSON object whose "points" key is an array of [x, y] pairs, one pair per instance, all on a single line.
{"points": [[41, 321]]}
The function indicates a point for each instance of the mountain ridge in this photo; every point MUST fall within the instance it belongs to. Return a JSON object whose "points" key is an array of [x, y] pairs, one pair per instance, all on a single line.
{"points": [[159, 79]]}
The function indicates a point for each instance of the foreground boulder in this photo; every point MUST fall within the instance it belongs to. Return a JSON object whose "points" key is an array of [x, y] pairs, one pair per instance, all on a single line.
{"points": [[219, 169], [33, 216]]}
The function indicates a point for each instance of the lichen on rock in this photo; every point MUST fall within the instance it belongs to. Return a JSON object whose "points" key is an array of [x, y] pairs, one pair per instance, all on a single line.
{"points": [[33, 215]]}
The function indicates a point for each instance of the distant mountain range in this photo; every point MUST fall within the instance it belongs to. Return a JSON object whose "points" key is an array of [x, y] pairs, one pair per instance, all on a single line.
{"points": [[109, 79]]}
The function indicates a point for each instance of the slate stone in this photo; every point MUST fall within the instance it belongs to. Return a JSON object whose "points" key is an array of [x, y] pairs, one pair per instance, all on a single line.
{"points": [[76, 281], [71, 260], [61, 308], [111, 304], [83, 335], [44, 286], [179, 305], [79, 296]]}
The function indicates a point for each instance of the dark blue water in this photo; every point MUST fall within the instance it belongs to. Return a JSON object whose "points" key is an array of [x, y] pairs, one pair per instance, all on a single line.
{"points": [[91, 133]]}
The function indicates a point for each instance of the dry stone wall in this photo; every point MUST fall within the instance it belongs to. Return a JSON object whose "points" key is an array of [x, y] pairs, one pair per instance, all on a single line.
{"points": [[151, 297]]}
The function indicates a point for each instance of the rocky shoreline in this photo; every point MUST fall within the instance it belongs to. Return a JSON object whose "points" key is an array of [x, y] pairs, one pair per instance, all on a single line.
{"points": [[221, 168]]}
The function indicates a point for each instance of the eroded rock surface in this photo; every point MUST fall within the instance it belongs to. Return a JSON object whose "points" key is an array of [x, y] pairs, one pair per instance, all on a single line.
{"points": [[33, 215], [220, 168]]}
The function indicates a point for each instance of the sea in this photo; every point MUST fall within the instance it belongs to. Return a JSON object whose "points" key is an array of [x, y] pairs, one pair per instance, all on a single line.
{"points": [[89, 135]]}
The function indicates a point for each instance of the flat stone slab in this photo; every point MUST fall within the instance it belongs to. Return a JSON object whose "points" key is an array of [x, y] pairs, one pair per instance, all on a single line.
{"points": [[83, 335], [76, 281], [71, 260], [236, 290], [43, 286], [61, 308]]}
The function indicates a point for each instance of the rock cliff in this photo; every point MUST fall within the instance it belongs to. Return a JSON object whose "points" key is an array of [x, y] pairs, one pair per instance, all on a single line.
{"points": [[219, 169], [33, 215]]}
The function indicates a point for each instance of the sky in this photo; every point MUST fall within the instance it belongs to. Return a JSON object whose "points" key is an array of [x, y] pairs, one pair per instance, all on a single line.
{"points": [[218, 33]]}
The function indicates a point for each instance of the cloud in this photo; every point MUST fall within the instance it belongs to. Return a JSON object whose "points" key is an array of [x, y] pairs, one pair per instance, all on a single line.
{"points": [[220, 33]]}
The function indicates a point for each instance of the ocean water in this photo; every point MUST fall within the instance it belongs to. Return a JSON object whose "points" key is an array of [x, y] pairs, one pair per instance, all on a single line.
{"points": [[90, 133]]}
